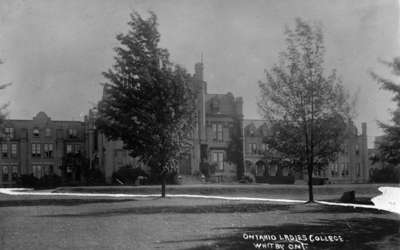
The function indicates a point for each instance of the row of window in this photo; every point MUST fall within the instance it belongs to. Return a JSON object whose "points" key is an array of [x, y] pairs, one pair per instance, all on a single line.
{"points": [[253, 148], [48, 149], [41, 170], [5, 152], [9, 173], [9, 132], [10, 150], [342, 170]]}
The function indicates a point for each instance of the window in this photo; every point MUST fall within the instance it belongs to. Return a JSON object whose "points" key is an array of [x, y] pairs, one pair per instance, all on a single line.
{"points": [[14, 175], [218, 157], [47, 132], [357, 150], [72, 133], [36, 132], [48, 150], [335, 170], [9, 132], [13, 150], [264, 147], [4, 173], [69, 148], [77, 148], [35, 150], [4, 150], [253, 148], [38, 171], [217, 131]]}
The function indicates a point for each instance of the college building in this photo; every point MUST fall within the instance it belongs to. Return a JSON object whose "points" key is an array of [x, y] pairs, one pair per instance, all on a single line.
{"points": [[38, 146]]}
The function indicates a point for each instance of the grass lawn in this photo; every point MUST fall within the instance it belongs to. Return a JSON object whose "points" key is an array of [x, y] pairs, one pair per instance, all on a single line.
{"points": [[32, 222], [298, 192]]}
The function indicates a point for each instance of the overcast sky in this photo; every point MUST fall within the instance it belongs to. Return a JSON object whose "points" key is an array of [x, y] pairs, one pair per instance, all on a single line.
{"points": [[54, 51]]}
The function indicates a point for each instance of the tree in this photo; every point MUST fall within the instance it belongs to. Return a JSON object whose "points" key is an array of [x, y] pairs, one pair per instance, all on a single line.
{"points": [[74, 166], [148, 102], [308, 112], [3, 107], [389, 146], [235, 148]]}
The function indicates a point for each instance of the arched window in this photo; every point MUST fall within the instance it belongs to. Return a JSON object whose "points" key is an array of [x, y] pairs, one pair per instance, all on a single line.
{"points": [[36, 132]]}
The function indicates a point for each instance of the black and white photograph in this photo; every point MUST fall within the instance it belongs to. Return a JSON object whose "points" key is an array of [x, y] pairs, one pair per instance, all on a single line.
{"points": [[199, 124]]}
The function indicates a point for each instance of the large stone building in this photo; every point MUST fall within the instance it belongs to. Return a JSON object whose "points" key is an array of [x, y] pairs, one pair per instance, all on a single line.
{"points": [[351, 165], [37, 146]]}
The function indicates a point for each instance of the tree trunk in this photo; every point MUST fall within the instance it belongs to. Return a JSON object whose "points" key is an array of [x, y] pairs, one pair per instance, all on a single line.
{"points": [[163, 184], [310, 185]]}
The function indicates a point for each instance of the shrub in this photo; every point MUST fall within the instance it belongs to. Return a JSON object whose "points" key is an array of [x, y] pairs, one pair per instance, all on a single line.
{"points": [[95, 177], [246, 179], [387, 174], [28, 181], [205, 169], [47, 181], [127, 175], [50, 181], [172, 177]]}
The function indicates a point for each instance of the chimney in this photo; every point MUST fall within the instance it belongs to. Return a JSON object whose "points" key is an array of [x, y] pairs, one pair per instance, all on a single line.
{"points": [[364, 128], [198, 71], [239, 106]]}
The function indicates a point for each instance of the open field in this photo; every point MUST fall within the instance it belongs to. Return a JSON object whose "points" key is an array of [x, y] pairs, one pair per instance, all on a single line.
{"points": [[52, 222]]}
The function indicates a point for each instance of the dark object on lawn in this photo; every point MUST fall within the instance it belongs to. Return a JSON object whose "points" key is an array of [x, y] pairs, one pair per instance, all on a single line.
{"points": [[348, 197]]}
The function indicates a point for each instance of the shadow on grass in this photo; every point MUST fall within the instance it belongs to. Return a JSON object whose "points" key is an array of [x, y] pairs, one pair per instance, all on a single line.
{"points": [[224, 208], [336, 209], [56, 202], [357, 233]]}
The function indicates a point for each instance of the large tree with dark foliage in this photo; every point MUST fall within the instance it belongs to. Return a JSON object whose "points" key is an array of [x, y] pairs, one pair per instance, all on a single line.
{"points": [[308, 111], [389, 146], [148, 102]]}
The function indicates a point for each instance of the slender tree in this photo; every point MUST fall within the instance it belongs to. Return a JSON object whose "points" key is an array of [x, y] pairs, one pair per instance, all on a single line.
{"points": [[148, 102], [389, 146], [308, 112], [3, 107]]}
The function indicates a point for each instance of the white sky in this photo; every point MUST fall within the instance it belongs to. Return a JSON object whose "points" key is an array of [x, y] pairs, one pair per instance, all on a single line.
{"points": [[55, 51]]}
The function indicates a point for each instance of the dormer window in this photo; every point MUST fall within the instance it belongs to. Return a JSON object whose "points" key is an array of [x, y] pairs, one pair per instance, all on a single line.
{"points": [[9, 132], [215, 105], [36, 132]]}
